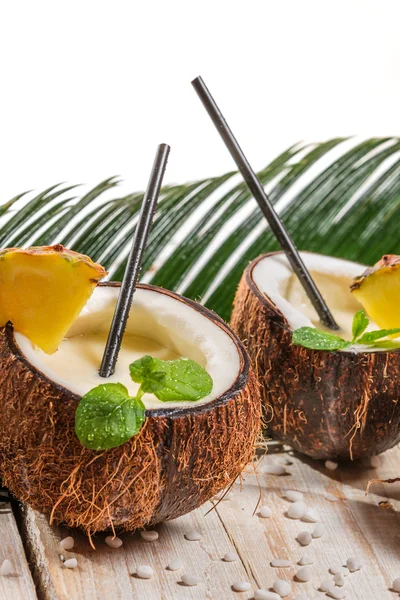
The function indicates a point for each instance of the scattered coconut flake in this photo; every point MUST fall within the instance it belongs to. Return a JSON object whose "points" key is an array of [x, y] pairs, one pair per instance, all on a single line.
{"points": [[306, 559], [293, 495], [331, 465], [67, 543], [375, 461], [297, 510], [335, 568], [396, 585], [6, 568], [70, 563], [282, 587], [331, 498], [304, 538], [230, 557], [280, 562], [175, 564], [339, 579], [304, 574], [190, 580], [62, 557], [327, 585], [241, 586], [284, 460], [274, 469], [319, 530], [311, 516], [336, 593], [265, 595], [224, 495], [353, 564], [338, 569], [144, 572], [265, 512], [113, 542], [193, 535], [149, 536]]}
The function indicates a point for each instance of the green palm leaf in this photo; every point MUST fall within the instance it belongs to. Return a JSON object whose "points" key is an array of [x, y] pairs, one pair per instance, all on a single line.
{"points": [[338, 197]]}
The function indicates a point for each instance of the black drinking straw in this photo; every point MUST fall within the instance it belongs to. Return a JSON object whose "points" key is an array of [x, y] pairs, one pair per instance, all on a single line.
{"points": [[264, 203], [134, 263]]}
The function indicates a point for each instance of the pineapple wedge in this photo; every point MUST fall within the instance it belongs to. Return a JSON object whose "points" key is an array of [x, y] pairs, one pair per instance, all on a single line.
{"points": [[378, 290], [43, 289]]}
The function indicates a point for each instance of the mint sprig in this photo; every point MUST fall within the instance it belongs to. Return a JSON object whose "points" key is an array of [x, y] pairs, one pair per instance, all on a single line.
{"points": [[360, 324], [316, 339], [149, 372], [107, 416], [177, 380], [371, 336]]}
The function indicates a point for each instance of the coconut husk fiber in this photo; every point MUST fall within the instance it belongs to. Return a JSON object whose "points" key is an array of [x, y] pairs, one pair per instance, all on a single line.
{"points": [[179, 460], [327, 405]]}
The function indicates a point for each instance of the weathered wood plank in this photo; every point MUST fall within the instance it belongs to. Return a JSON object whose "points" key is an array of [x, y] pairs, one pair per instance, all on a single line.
{"points": [[108, 573], [19, 585], [355, 525]]}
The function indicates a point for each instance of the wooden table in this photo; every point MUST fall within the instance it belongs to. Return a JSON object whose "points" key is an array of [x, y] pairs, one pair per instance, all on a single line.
{"points": [[355, 525]]}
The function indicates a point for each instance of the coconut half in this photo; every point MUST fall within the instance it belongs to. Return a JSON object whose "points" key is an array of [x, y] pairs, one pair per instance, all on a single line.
{"points": [[184, 454], [341, 404]]}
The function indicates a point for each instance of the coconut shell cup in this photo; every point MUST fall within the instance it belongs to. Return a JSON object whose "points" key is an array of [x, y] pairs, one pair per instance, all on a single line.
{"points": [[179, 460], [327, 405]]}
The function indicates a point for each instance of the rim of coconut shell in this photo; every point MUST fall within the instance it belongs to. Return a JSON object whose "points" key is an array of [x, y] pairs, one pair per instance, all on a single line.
{"points": [[281, 320], [174, 412]]}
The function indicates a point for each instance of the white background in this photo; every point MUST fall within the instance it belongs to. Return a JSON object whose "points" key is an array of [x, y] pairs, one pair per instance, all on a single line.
{"points": [[89, 88]]}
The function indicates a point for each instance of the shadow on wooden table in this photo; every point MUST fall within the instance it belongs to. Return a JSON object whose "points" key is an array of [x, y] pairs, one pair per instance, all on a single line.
{"points": [[359, 473]]}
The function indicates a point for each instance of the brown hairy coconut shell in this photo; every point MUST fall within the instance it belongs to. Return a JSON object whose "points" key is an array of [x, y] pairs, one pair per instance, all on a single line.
{"points": [[325, 404], [180, 459]]}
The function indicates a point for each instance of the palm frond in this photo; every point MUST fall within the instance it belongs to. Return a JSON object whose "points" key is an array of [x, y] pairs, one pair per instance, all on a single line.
{"points": [[338, 197]]}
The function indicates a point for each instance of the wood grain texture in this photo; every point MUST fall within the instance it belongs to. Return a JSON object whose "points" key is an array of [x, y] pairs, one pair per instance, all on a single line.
{"points": [[355, 526], [106, 573], [19, 585]]}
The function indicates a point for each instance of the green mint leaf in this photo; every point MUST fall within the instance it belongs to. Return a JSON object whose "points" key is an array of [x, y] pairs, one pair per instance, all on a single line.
{"points": [[360, 324], [315, 339], [371, 336], [149, 372], [387, 345], [108, 417], [172, 380], [185, 380]]}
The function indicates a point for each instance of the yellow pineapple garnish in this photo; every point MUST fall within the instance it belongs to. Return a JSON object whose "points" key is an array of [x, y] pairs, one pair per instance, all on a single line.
{"points": [[43, 289], [378, 290]]}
